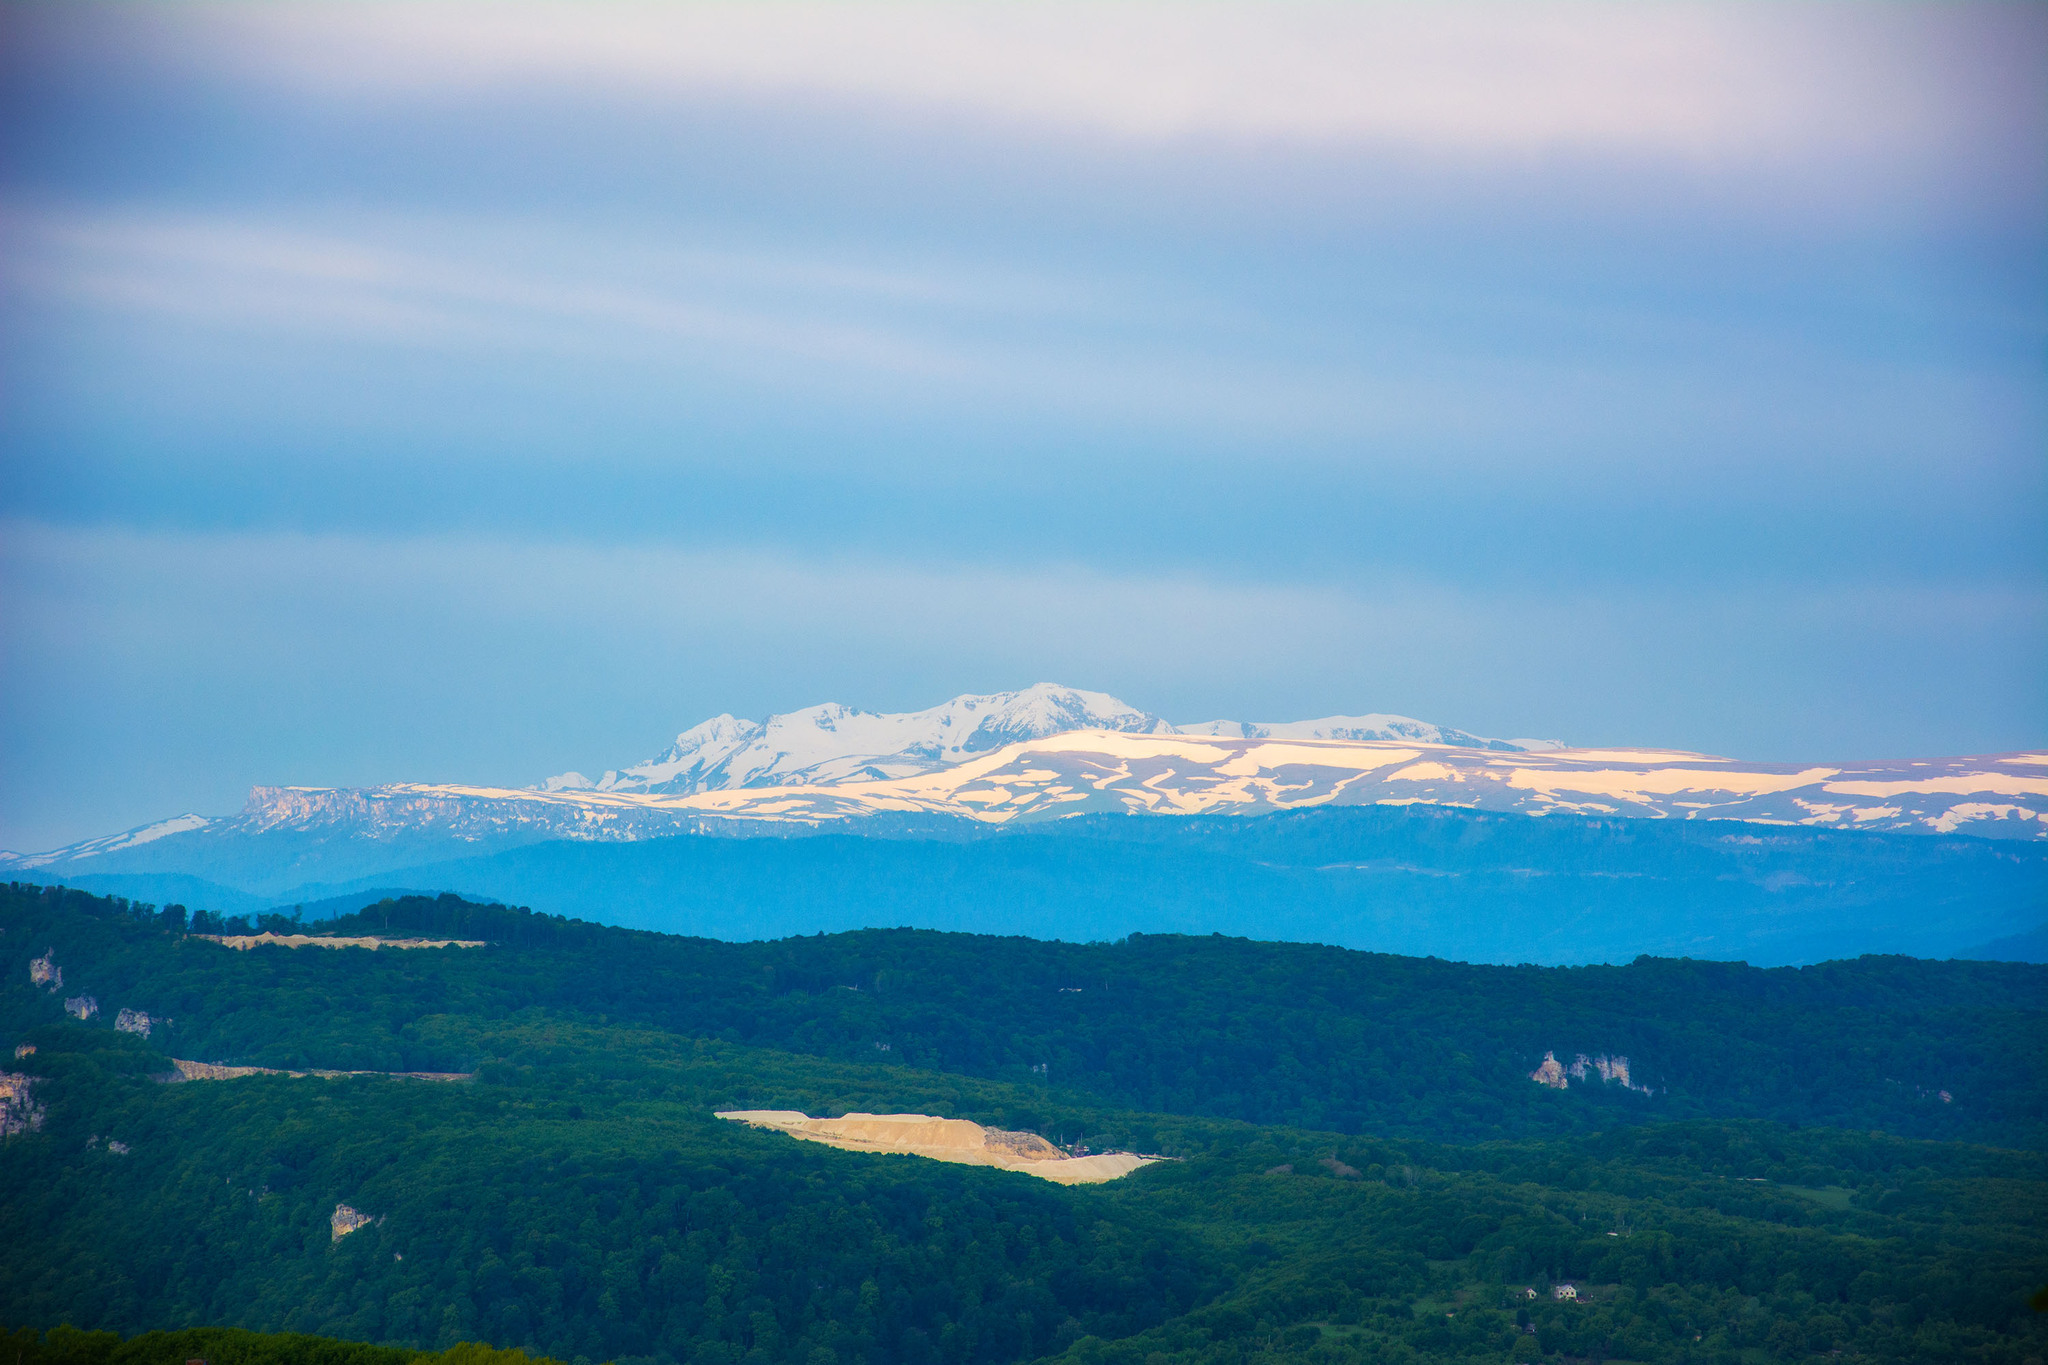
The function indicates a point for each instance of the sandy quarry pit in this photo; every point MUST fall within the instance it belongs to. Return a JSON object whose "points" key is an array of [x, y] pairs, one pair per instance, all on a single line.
{"points": [[956, 1140], [213, 1071], [242, 943]]}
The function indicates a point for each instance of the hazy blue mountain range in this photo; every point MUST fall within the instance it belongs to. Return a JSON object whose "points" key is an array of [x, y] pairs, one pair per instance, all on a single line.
{"points": [[1040, 754], [1424, 880], [1062, 813]]}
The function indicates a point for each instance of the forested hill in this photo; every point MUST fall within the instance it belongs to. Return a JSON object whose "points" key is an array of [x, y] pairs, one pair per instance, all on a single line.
{"points": [[576, 1197], [1477, 886], [1311, 1036]]}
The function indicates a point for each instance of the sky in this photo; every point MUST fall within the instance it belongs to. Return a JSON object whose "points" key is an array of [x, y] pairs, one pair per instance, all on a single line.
{"points": [[471, 392]]}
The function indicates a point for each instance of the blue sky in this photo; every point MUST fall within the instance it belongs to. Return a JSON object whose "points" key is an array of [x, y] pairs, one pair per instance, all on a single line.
{"points": [[471, 392]]}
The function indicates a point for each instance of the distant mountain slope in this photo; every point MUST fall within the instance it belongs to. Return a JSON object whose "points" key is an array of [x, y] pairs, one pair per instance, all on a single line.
{"points": [[2028, 946], [958, 770], [1418, 879], [1396, 728], [1082, 772]]}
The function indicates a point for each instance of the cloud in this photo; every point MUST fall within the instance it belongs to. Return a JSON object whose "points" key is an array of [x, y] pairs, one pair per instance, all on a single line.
{"points": [[1478, 369], [509, 384], [243, 272], [1702, 82], [809, 322]]}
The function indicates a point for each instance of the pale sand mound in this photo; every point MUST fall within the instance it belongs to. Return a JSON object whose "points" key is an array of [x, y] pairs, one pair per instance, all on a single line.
{"points": [[244, 942], [213, 1071], [945, 1140]]}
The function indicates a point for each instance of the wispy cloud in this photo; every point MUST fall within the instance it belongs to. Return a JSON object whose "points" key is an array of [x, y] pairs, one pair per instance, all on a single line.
{"points": [[1712, 82], [1128, 348], [499, 384], [238, 271], [1477, 377]]}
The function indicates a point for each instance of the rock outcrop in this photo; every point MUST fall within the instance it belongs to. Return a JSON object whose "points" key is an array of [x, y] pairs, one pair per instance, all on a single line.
{"points": [[345, 1220], [19, 1113], [1610, 1070], [1607, 1068]]}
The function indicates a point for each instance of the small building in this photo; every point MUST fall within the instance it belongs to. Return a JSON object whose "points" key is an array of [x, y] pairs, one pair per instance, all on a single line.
{"points": [[1566, 1292]]}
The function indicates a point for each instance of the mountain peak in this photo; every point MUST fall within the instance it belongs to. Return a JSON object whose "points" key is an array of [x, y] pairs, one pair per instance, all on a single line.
{"points": [[833, 743]]}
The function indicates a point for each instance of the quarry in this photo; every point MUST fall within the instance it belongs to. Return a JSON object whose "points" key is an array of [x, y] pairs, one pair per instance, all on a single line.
{"points": [[943, 1139]]}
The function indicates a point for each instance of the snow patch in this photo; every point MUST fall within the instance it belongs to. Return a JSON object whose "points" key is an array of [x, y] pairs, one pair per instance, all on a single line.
{"points": [[832, 745]]}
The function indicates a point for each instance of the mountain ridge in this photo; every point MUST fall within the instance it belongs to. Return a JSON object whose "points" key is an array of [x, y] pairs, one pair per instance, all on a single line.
{"points": [[831, 743], [2000, 796], [953, 781]]}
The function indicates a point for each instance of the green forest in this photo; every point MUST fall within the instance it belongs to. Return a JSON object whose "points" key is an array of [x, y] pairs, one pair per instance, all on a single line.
{"points": [[1834, 1162]]}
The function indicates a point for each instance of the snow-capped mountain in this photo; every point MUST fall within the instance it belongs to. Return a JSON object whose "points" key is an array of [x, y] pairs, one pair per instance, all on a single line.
{"points": [[1038, 754], [831, 744], [1102, 771]]}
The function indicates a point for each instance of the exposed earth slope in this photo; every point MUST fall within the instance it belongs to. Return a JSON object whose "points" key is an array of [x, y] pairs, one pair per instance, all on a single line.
{"points": [[942, 1139]]}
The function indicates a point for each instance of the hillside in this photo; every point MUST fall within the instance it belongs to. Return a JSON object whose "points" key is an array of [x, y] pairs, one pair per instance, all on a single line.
{"points": [[578, 1197], [576, 1194], [1259, 1032], [1417, 880]]}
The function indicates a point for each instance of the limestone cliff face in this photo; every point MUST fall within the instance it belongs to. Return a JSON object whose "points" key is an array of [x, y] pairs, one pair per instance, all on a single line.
{"points": [[1610, 1069], [345, 1220], [19, 1113], [81, 1007], [45, 972], [1607, 1068], [133, 1021]]}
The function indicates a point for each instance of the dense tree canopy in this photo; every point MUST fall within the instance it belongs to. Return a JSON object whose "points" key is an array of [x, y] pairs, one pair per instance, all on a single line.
{"points": [[576, 1198], [1265, 1032]]}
